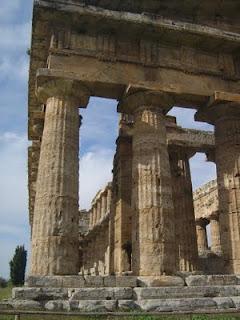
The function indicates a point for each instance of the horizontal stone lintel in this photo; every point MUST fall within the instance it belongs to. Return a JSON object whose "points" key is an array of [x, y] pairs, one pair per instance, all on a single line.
{"points": [[109, 80], [190, 139], [153, 22]]}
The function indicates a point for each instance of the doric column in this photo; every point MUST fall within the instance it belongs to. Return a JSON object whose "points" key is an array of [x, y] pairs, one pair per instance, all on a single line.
{"points": [[98, 210], [94, 214], [109, 197], [123, 209], [215, 233], [225, 116], [202, 235], [55, 237], [185, 229], [153, 241], [90, 218], [103, 204], [227, 132]]}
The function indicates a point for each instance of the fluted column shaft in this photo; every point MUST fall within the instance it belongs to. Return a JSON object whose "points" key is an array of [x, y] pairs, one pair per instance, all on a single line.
{"points": [[103, 205], [215, 235], [98, 210], [153, 221], [201, 235], [94, 214], [185, 230], [55, 234], [55, 226], [109, 199], [227, 134]]}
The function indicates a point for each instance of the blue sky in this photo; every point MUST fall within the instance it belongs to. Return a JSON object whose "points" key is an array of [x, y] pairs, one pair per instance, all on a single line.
{"points": [[97, 136]]}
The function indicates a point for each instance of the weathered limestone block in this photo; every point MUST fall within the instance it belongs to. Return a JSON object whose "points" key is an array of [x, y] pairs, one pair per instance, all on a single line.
{"points": [[186, 292], [57, 305], [153, 239], [93, 281], [171, 305], [55, 234], [128, 305], [236, 302], [101, 294], [26, 305], [55, 281], [120, 281], [224, 303], [212, 280], [97, 306], [39, 294], [162, 281]]}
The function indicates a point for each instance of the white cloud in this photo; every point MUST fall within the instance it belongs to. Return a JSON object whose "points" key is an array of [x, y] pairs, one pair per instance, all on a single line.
{"points": [[95, 173]]}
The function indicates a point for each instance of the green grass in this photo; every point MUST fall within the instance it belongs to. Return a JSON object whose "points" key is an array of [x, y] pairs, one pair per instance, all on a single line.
{"points": [[199, 317], [5, 293]]}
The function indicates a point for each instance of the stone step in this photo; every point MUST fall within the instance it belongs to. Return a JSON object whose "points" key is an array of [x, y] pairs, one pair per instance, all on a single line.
{"points": [[81, 281], [181, 305], [44, 294], [212, 280], [148, 305], [185, 292]]}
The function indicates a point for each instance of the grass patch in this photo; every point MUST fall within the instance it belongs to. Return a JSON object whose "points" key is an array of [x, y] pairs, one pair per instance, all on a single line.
{"points": [[5, 293], [172, 317]]}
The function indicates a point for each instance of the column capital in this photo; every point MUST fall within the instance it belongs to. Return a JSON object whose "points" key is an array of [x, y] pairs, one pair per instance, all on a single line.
{"points": [[62, 88], [214, 215], [211, 156], [202, 222], [181, 152], [157, 99], [221, 105]]}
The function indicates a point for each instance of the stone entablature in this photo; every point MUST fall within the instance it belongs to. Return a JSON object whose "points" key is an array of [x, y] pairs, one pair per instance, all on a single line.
{"points": [[206, 200], [84, 218], [206, 206], [100, 206]]}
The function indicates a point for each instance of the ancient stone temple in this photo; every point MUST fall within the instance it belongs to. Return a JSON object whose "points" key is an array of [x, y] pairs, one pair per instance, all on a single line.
{"points": [[144, 243]]}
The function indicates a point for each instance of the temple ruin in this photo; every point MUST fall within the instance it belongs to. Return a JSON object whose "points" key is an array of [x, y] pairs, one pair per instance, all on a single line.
{"points": [[143, 244]]}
